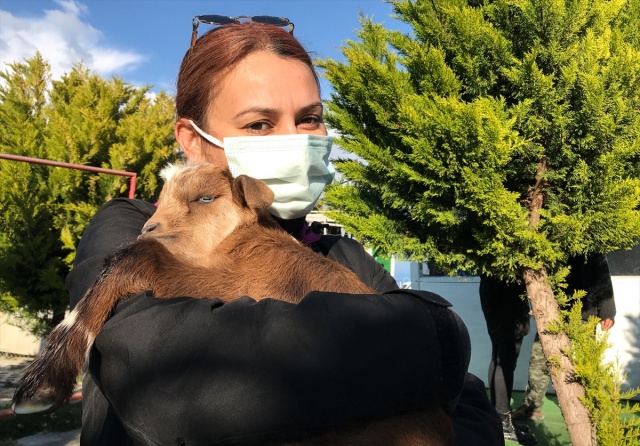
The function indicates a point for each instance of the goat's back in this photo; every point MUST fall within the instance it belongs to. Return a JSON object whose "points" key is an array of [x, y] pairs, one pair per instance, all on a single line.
{"points": [[266, 262]]}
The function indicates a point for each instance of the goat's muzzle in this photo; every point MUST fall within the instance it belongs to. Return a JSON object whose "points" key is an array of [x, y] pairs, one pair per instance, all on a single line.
{"points": [[149, 227]]}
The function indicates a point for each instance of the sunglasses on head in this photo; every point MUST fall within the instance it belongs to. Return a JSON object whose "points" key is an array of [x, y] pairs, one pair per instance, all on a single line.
{"points": [[213, 19]]}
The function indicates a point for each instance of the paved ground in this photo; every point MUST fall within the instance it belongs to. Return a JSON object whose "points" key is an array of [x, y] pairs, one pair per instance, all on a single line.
{"points": [[10, 369]]}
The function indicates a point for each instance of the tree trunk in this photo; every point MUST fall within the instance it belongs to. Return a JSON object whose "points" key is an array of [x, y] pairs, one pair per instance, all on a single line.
{"points": [[545, 309]]}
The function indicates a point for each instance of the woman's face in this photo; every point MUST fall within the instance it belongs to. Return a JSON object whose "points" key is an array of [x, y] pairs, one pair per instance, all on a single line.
{"points": [[263, 95]]}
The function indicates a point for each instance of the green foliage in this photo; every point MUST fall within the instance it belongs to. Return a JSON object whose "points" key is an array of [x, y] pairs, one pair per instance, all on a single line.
{"points": [[79, 119], [450, 125], [609, 407]]}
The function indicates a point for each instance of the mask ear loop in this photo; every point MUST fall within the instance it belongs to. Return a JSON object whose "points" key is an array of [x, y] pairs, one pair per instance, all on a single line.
{"points": [[213, 140]]}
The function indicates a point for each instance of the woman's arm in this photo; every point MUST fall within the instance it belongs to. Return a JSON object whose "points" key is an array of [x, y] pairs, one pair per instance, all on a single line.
{"points": [[263, 371], [198, 369], [117, 223], [602, 288], [351, 254]]}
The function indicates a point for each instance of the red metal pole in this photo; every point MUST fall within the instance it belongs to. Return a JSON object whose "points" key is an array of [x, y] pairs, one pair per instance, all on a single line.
{"points": [[122, 173]]}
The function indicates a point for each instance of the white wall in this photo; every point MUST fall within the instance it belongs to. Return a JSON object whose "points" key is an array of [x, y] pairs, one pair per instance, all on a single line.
{"points": [[463, 293], [624, 337], [15, 340], [401, 271]]}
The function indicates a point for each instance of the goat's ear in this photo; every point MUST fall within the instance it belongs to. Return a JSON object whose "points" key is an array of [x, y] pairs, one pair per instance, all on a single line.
{"points": [[251, 193]]}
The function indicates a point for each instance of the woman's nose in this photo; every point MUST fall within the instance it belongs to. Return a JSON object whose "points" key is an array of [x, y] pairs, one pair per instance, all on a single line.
{"points": [[289, 128]]}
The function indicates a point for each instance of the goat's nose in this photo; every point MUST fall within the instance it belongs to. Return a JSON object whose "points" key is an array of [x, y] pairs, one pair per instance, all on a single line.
{"points": [[149, 227]]}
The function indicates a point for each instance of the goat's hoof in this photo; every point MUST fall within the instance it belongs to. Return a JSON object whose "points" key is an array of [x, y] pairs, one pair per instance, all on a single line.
{"points": [[39, 403]]}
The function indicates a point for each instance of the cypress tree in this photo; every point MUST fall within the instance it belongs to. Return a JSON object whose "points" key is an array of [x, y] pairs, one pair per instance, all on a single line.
{"points": [[79, 119]]}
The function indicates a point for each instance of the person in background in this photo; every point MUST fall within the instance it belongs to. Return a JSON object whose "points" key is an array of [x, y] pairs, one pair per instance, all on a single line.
{"points": [[196, 371], [506, 311], [594, 277]]}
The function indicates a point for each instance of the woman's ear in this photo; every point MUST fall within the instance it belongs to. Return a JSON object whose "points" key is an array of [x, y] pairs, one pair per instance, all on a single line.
{"points": [[190, 142], [196, 149]]}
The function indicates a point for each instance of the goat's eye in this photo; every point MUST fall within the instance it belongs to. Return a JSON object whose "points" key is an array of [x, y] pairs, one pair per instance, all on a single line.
{"points": [[205, 199]]}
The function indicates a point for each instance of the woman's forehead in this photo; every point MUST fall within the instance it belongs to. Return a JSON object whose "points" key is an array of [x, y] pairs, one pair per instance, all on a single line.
{"points": [[266, 80]]}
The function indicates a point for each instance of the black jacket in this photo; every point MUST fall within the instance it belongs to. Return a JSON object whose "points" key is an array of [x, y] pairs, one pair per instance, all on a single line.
{"points": [[504, 308], [592, 275], [196, 372]]}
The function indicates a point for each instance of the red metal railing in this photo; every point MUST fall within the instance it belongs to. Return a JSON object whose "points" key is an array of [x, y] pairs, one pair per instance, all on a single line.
{"points": [[26, 159]]}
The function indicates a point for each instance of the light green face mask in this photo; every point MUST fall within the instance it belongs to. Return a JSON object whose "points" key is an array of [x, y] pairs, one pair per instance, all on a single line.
{"points": [[295, 167]]}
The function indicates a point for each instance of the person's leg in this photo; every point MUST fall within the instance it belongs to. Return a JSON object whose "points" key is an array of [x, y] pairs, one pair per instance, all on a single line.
{"points": [[507, 318], [538, 377], [505, 365], [497, 318], [537, 386], [493, 369], [504, 360]]}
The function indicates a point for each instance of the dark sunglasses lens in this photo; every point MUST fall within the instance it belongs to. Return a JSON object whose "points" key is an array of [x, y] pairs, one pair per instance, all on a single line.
{"points": [[269, 20], [216, 19]]}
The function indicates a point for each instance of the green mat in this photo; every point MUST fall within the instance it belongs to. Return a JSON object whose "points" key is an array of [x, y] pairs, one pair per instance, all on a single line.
{"points": [[552, 431]]}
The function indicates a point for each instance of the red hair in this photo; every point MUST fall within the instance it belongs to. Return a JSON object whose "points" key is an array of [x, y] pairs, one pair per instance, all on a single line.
{"points": [[217, 52]]}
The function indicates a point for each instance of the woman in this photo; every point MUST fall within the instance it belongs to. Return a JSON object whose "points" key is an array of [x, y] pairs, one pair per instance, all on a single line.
{"points": [[188, 371]]}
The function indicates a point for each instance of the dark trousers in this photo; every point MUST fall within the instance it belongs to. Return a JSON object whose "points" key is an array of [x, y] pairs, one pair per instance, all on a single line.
{"points": [[506, 312]]}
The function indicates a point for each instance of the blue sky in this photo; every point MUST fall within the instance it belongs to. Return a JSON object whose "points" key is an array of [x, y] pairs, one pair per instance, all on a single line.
{"points": [[143, 41]]}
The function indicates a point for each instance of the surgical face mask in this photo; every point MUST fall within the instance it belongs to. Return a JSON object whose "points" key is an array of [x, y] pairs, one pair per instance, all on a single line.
{"points": [[295, 167]]}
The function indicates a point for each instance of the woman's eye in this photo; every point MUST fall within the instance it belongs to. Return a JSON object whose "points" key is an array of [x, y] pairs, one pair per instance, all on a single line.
{"points": [[311, 120], [258, 126], [205, 199]]}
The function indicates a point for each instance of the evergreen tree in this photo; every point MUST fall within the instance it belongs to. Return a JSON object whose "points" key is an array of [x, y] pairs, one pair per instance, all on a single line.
{"points": [[500, 138], [80, 119]]}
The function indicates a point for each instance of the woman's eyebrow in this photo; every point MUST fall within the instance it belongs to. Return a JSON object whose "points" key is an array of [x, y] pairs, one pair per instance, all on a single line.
{"points": [[269, 111], [257, 109], [311, 107]]}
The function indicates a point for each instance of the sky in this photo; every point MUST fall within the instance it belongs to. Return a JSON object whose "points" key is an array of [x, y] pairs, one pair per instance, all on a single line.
{"points": [[143, 41]]}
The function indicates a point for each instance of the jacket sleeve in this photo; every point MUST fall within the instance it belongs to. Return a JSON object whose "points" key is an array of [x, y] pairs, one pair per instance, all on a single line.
{"points": [[250, 372], [602, 286], [166, 370], [593, 276], [116, 224], [475, 420], [350, 253]]}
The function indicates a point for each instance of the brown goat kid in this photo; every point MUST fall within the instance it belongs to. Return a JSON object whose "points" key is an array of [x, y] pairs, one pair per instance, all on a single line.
{"points": [[216, 232]]}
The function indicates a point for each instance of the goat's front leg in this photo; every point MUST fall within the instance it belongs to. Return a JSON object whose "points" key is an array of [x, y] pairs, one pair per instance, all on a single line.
{"points": [[49, 380]]}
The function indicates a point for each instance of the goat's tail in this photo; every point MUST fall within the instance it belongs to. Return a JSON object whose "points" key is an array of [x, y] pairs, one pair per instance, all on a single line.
{"points": [[49, 380]]}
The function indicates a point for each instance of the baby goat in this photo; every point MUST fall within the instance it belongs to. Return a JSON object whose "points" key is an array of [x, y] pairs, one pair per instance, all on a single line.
{"points": [[216, 232]]}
